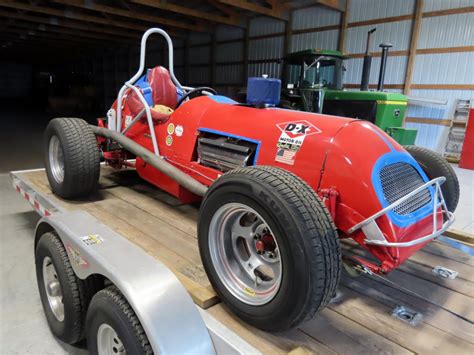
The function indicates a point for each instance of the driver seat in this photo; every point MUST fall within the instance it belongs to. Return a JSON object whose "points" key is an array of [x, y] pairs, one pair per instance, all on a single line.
{"points": [[163, 92]]}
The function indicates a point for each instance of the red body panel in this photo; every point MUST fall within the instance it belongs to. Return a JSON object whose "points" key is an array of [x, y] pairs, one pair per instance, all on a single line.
{"points": [[335, 154]]}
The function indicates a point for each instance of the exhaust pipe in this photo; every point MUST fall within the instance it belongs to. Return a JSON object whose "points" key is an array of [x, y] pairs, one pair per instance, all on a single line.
{"points": [[364, 82], [383, 65], [157, 162]]}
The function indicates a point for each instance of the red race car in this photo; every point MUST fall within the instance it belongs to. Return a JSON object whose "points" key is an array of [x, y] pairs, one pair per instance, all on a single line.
{"points": [[279, 188]]}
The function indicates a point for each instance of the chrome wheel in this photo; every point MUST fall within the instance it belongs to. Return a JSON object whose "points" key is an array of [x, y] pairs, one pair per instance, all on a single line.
{"points": [[52, 287], [56, 159], [245, 254], [108, 341]]}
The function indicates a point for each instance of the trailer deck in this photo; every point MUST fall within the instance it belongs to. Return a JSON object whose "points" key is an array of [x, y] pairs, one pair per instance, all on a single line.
{"points": [[358, 320]]}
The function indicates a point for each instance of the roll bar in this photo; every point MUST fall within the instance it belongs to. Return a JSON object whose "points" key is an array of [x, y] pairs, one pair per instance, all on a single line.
{"points": [[130, 83]]}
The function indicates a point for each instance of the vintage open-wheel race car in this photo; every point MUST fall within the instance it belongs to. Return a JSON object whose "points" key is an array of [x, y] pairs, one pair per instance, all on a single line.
{"points": [[278, 188]]}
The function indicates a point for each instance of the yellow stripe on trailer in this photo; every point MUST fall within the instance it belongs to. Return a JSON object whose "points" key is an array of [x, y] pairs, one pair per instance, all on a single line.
{"points": [[386, 102]]}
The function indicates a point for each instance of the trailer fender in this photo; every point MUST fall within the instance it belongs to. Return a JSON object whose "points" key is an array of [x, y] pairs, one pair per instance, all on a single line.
{"points": [[166, 311]]}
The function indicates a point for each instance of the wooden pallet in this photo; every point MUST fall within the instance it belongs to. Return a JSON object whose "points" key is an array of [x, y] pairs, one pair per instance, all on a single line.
{"points": [[359, 321]]}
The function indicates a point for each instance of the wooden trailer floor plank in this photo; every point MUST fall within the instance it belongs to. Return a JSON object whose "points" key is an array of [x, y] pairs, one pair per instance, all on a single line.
{"points": [[424, 338], [433, 315], [359, 322]]}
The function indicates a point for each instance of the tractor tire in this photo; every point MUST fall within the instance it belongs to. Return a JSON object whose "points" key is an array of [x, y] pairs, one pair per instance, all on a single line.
{"points": [[63, 295], [72, 157], [434, 165], [113, 327], [269, 247]]}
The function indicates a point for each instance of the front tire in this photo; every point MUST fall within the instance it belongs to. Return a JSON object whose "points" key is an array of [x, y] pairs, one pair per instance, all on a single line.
{"points": [[269, 247], [72, 157], [434, 165], [113, 327]]}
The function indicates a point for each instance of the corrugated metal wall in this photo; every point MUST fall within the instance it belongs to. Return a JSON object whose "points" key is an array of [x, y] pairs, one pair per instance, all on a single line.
{"points": [[267, 45]]}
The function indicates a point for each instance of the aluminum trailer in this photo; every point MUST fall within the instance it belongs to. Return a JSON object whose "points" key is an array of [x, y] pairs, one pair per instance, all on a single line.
{"points": [[147, 248]]}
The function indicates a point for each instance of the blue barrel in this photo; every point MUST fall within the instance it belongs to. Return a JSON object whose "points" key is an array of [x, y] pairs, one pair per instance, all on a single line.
{"points": [[263, 91]]}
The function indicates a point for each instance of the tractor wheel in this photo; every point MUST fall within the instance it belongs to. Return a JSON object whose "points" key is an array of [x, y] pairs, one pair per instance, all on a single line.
{"points": [[113, 327], [434, 165], [62, 294], [269, 247], [72, 157]]}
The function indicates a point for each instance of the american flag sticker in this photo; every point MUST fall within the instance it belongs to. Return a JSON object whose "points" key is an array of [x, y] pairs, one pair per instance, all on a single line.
{"points": [[285, 156]]}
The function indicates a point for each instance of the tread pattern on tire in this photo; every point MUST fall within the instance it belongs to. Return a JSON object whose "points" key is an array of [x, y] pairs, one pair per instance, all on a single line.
{"points": [[76, 285], [322, 231], [113, 293], [84, 157], [447, 172]]}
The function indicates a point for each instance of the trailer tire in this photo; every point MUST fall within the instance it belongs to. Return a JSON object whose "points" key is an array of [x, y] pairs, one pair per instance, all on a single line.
{"points": [[111, 322], [303, 240], [52, 263], [72, 157], [434, 165]]}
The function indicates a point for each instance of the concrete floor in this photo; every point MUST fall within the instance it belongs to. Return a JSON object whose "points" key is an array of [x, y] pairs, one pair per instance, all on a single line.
{"points": [[23, 327]]}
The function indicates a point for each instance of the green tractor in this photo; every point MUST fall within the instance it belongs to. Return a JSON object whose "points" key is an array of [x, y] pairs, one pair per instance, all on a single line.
{"points": [[313, 82]]}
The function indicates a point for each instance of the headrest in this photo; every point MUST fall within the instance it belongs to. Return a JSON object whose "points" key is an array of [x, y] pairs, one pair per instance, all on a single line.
{"points": [[263, 91], [162, 87]]}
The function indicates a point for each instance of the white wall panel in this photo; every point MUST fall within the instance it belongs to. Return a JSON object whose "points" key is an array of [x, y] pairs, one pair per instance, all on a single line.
{"points": [[394, 74], [315, 17], [447, 31], [323, 40], [229, 52], [444, 68], [362, 10], [267, 48], [260, 26], [435, 5], [429, 135], [396, 33]]}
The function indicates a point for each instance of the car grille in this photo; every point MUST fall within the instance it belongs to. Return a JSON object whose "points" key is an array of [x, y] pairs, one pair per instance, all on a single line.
{"points": [[400, 179]]}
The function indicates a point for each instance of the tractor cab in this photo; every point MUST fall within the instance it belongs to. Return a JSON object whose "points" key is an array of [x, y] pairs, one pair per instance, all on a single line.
{"points": [[313, 82], [308, 74]]}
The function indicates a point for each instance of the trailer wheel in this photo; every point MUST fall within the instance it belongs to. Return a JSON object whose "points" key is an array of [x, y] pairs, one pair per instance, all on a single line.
{"points": [[113, 327], [72, 157], [62, 294], [434, 165], [269, 247]]}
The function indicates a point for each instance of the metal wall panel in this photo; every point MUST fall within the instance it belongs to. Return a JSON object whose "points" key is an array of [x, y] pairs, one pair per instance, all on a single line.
{"points": [[323, 40], [199, 76], [430, 135], [178, 56], [267, 48], [199, 38], [315, 17], [199, 55], [395, 72], [396, 33], [229, 52], [273, 70], [260, 26], [435, 5], [229, 74], [224, 33], [444, 68], [362, 10], [447, 31]]}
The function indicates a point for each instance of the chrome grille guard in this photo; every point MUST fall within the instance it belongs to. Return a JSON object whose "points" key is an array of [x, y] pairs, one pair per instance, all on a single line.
{"points": [[375, 236]]}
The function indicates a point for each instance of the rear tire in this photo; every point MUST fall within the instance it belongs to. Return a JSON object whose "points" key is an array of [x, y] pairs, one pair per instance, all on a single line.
{"points": [[434, 165], [112, 325], [72, 157], [249, 214]]}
